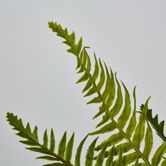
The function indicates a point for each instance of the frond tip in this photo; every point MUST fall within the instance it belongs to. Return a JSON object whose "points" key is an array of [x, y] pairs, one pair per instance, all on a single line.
{"points": [[69, 39]]}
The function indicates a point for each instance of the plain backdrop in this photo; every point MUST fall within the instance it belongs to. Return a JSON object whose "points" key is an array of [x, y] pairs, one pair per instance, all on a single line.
{"points": [[37, 76]]}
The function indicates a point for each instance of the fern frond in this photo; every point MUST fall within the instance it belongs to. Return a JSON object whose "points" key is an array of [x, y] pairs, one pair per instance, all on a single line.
{"points": [[30, 139], [116, 109], [63, 155], [158, 126]]}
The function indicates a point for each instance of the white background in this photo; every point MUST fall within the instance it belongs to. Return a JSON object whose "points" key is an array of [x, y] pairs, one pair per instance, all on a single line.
{"points": [[37, 76]]}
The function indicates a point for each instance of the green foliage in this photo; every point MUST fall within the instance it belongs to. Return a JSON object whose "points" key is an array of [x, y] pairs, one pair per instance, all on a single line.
{"points": [[63, 155], [129, 138], [30, 138]]}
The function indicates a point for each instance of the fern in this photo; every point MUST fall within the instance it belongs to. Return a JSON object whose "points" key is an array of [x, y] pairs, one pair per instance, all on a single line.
{"points": [[130, 136], [31, 140], [108, 93], [63, 155]]}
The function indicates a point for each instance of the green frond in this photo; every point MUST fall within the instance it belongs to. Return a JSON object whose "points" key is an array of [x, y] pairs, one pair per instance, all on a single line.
{"points": [[116, 110], [47, 147], [63, 156]]}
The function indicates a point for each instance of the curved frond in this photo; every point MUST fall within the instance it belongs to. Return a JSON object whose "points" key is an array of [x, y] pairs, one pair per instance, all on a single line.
{"points": [[47, 147], [117, 109], [63, 155]]}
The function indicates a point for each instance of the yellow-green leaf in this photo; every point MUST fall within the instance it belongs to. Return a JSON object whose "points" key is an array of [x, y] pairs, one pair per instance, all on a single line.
{"points": [[69, 148], [90, 154], [62, 146]]}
